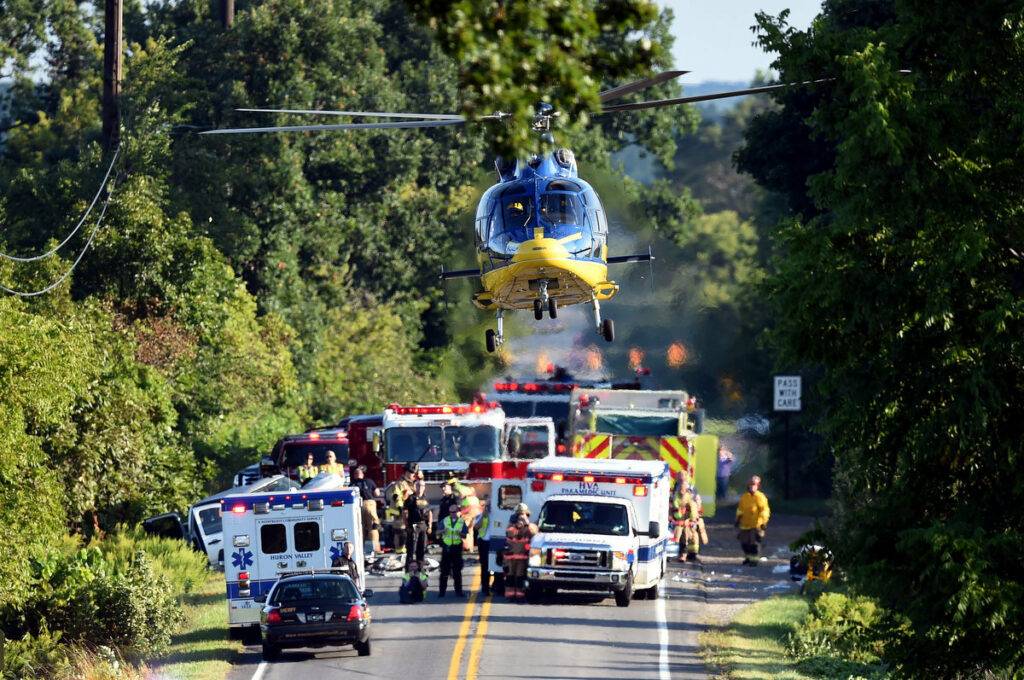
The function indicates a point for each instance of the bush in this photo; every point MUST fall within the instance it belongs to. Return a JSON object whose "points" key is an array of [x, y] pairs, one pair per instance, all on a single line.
{"points": [[33, 656], [88, 602], [173, 559], [841, 637]]}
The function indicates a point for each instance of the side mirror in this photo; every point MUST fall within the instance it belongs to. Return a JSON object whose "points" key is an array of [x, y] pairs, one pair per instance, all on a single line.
{"points": [[376, 442], [654, 530], [368, 593], [260, 599]]}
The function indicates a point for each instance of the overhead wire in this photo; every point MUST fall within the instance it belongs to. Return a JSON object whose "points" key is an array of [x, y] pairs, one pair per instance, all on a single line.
{"points": [[52, 251], [85, 248]]}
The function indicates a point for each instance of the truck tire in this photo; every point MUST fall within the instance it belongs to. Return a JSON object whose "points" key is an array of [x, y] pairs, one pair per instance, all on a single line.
{"points": [[622, 597], [537, 594], [271, 652], [652, 592], [363, 648]]}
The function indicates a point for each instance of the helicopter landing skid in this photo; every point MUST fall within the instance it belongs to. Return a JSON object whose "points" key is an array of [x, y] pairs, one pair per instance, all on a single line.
{"points": [[495, 339], [605, 328]]}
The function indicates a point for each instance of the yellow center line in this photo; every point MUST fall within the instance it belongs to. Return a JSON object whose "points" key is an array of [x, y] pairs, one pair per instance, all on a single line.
{"points": [[478, 642], [467, 621]]}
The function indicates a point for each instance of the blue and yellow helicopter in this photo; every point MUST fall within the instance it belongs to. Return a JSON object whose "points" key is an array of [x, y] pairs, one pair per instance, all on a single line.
{"points": [[541, 231]]}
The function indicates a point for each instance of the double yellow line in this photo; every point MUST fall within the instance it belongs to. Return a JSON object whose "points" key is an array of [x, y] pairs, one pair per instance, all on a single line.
{"points": [[477, 646]]}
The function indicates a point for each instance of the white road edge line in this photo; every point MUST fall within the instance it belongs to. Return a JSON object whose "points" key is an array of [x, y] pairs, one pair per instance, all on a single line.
{"points": [[663, 668], [260, 670]]}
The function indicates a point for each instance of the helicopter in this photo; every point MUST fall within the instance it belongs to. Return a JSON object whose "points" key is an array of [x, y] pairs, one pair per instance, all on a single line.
{"points": [[541, 232]]}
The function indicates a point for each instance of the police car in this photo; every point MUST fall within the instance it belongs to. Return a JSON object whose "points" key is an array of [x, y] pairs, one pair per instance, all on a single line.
{"points": [[601, 525], [271, 535]]}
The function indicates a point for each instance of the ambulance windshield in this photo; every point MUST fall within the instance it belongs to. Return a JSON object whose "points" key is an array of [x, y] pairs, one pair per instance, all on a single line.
{"points": [[434, 444], [583, 517]]}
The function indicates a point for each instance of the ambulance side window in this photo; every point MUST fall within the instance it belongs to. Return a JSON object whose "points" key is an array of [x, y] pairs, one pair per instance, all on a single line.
{"points": [[307, 536], [273, 539], [509, 496]]}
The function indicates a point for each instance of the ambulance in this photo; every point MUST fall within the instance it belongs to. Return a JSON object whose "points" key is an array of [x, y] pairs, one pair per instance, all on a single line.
{"points": [[268, 535], [601, 525]]}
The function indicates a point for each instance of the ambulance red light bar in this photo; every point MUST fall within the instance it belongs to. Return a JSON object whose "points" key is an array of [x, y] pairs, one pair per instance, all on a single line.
{"points": [[442, 409], [534, 388], [639, 490], [593, 479], [238, 508]]}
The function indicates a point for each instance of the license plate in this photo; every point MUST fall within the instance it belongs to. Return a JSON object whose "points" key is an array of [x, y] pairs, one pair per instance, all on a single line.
{"points": [[315, 618]]}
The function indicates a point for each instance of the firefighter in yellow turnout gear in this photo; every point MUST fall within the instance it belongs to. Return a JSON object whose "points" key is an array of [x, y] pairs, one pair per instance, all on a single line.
{"points": [[689, 530], [752, 514]]}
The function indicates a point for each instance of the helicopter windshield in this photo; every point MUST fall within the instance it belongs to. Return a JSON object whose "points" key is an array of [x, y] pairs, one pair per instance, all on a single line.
{"points": [[513, 212]]}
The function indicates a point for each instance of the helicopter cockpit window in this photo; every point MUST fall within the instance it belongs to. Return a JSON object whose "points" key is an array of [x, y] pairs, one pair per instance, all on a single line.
{"points": [[516, 211], [559, 208]]}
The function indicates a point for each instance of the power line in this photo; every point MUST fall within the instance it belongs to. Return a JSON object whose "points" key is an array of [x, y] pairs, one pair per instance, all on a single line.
{"points": [[103, 184], [65, 275]]}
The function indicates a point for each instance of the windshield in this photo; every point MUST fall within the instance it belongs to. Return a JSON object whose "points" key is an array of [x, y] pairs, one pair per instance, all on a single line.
{"points": [[295, 454], [528, 441], [556, 410], [638, 426], [582, 517], [315, 589], [210, 521], [434, 444]]}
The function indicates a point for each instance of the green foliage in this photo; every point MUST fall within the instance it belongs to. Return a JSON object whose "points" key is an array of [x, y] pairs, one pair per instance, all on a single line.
{"points": [[33, 656], [174, 560], [839, 626], [901, 283]]}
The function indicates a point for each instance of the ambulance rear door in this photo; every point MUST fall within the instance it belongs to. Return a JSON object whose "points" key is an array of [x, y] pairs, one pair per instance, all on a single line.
{"points": [[506, 494]]}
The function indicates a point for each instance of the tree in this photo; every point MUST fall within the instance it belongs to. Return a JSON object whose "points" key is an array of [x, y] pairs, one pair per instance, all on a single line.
{"points": [[899, 276]]}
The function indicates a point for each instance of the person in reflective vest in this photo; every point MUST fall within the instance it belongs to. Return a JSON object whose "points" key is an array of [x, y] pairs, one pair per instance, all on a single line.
{"points": [[333, 467], [482, 527], [414, 585], [453, 530], [517, 551], [308, 471]]}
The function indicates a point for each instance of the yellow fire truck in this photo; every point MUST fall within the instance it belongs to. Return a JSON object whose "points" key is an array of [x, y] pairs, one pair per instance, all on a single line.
{"points": [[644, 425]]}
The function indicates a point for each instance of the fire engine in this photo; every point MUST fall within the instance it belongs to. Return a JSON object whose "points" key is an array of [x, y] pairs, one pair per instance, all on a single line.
{"points": [[644, 425], [291, 452]]}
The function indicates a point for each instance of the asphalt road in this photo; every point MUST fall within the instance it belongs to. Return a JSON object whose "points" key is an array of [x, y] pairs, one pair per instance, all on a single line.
{"points": [[571, 636]]}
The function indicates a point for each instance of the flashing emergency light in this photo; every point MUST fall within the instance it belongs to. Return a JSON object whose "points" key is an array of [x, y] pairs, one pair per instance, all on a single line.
{"points": [[314, 435], [442, 409], [238, 508], [557, 477], [620, 480], [560, 449], [243, 576], [589, 479], [536, 485], [534, 388], [639, 490]]}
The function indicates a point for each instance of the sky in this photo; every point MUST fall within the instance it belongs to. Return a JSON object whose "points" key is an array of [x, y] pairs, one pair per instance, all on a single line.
{"points": [[713, 37]]}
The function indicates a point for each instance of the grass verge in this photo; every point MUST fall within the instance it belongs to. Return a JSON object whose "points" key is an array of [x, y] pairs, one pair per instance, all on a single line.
{"points": [[753, 646], [202, 650]]}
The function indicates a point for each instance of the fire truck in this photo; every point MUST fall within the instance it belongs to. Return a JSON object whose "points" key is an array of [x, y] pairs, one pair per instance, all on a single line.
{"points": [[644, 425], [291, 452]]}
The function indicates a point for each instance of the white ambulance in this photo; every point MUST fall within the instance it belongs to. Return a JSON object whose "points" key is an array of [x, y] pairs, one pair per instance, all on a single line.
{"points": [[602, 525], [268, 535]]}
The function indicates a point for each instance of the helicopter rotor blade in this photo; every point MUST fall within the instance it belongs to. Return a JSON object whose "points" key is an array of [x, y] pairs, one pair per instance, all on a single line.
{"points": [[341, 126], [358, 114], [658, 103], [637, 85]]}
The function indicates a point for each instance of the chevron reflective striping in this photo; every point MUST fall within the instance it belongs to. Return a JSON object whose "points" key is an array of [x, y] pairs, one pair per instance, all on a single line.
{"points": [[595, 446], [636, 448], [670, 453]]}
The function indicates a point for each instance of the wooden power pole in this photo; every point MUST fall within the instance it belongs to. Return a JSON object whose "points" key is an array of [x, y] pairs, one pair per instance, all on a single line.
{"points": [[113, 70], [227, 13]]}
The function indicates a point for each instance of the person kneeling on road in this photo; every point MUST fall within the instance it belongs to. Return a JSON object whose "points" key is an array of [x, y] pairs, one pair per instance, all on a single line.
{"points": [[752, 515], [414, 585], [453, 531]]}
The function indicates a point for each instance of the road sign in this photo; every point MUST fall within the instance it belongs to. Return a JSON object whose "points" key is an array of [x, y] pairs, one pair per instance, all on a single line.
{"points": [[787, 393]]}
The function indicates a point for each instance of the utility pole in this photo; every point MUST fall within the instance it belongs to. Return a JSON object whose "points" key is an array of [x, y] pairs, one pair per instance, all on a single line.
{"points": [[113, 70], [227, 13]]}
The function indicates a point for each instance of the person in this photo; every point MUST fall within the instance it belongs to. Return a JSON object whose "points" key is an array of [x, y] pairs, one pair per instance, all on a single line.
{"points": [[482, 527], [517, 551], [688, 514], [414, 585], [345, 563], [333, 467], [723, 472], [522, 510], [308, 471], [752, 514], [418, 519], [400, 492], [368, 489], [370, 493], [448, 499], [453, 530]]}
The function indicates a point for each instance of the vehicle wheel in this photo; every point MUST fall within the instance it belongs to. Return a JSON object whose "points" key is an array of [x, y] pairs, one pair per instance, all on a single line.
{"points": [[535, 594], [490, 337], [608, 330], [271, 652], [538, 309], [640, 595], [251, 635], [363, 648], [652, 592], [553, 308], [622, 597]]}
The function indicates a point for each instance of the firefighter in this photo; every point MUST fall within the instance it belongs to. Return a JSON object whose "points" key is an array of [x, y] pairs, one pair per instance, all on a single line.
{"points": [[752, 515], [399, 493], [414, 585], [333, 467], [418, 519], [308, 471], [517, 551], [482, 528], [453, 531]]}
